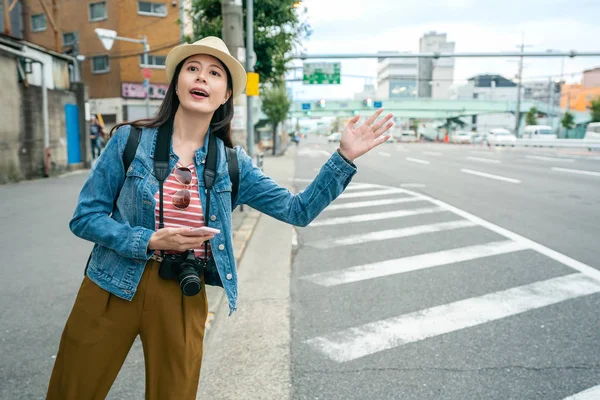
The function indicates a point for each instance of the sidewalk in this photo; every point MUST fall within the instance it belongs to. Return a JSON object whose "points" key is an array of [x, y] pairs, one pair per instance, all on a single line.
{"points": [[247, 355]]}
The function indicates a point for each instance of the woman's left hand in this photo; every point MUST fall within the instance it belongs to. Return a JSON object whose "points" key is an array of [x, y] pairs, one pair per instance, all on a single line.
{"points": [[356, 141]]}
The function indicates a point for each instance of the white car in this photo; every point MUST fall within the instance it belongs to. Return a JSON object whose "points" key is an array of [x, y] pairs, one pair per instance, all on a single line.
{"points": [[334, 137], [500, 137], [461, 137], [542, 132], [407, 136]]}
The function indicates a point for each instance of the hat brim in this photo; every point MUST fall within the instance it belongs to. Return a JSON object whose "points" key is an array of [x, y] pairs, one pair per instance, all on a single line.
{"points": [[181, 52]]}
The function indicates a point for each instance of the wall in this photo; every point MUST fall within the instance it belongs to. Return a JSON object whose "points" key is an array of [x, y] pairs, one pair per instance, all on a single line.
{"points": [[591, 78], [10, 128]]}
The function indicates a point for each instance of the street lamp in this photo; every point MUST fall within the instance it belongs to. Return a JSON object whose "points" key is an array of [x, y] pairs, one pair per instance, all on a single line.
{"points": [[108, 37]]}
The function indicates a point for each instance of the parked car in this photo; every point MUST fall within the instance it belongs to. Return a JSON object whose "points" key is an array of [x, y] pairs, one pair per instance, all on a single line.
{"points": [[592, 131], [539, 132], [477, 138], [407, 136], [461, 137], [334, 137], [500, 137]]}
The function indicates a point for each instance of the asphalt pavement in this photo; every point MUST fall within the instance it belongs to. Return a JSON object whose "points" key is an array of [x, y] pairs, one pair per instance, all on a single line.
{"points": [[450, 272]]}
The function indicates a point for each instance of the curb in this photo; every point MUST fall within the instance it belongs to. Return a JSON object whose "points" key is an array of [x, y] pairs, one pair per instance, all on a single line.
{"points": [[240, 240]]}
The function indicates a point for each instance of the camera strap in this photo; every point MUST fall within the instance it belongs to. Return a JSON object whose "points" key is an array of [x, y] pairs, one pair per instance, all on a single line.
{"points": [[161, 171]]}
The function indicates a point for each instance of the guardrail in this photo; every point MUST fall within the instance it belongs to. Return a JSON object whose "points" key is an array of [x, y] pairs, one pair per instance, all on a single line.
{"points": [[589, 144]]}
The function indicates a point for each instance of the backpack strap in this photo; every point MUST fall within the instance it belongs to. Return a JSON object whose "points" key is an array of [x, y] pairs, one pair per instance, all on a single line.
{"points": [[234, 173], [135, 135]]}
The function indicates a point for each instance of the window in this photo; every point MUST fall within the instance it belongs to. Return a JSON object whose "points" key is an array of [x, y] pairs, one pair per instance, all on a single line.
{"points": [[100, 64], [98, 11], [155, 9], [154, 61], [38, 22], [69, 38]]}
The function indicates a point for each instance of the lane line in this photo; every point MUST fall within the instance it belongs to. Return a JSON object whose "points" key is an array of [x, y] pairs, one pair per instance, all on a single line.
{"points": [[543, 158], [589, 394], [413, 263], [390, 234], [374, 217], [485, 175], [413, 185], [416, 160], [433, 153], [351, 344], [576, 171], [381, 192], [540, 248], [359, 186], [372, 203], [487, 160], [384, 154]]}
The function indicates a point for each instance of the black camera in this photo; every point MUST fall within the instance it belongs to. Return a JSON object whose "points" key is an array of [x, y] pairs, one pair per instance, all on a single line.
{"points": [[184, 268]]}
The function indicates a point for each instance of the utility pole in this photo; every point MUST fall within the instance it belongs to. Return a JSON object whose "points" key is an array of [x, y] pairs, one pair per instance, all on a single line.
{"points": [[520, 78], [6, 15], [250, 68], [233, 36]]}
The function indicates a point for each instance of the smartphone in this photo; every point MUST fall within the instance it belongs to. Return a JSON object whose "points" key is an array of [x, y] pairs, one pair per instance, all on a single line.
{"points": [[202, 231]]}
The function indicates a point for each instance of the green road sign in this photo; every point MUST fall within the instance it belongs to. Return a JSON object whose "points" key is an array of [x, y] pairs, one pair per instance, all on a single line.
{"points": [[322, 73]]}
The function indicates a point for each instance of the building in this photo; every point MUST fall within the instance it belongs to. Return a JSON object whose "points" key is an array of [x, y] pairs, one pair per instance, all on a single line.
{"points": [[396, 77], [114, 78], [435, 76], [488, 87], [543, 91], [577, 97], [368, 91]]}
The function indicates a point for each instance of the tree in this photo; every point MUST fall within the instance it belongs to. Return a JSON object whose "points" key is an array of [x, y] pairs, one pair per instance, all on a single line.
{"points": [[276, 105], [568, 122], [278, 31], [531, 116], [595, 109]]}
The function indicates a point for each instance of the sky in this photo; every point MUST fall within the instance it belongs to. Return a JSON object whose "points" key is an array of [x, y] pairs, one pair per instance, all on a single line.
{"points": [[360, 26]]}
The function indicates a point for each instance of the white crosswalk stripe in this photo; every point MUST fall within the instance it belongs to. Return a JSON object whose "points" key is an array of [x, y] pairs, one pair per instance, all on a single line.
{"points": [[589, 394], [390, 234], [413, 263], [375, 216], [361, 341], [373, 203], [374, 193]]}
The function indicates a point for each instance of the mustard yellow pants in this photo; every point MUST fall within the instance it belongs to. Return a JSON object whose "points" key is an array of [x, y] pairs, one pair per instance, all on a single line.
{"points": [[102, 327]]}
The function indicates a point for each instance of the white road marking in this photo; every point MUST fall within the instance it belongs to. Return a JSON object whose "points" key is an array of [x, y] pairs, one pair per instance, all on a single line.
{"points": [[361, 341], [358, 186], [487, 160], [548, 252], [402, 149], [416, 160], [382, 192], [413, 263], [485, 175], [294, 238], [384, 154], [432, 153], [390, 234], [413, 185], [372, 203], [543, 158], [576, 171], [374, 217], [590, 394]]}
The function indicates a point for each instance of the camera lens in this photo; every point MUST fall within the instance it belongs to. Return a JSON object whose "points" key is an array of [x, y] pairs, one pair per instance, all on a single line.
{"points": [[189, 280]]}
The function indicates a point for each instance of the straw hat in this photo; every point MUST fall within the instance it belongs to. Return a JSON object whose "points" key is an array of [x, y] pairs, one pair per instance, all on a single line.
{"points": [[213, 46]]}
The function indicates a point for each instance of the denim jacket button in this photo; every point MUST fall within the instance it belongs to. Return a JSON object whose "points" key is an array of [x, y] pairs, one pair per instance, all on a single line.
{"points": [[221, 247], [229, 276], [213, 217]]}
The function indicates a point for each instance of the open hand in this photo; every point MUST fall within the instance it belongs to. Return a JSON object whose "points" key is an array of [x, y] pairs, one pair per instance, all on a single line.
{"points": [[356, 141]]}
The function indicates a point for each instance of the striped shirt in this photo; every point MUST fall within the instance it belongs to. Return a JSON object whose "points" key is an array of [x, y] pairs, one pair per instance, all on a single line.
{"points": [[192, 216]]}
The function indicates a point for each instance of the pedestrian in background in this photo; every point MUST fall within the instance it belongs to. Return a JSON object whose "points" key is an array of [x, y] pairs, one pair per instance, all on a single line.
{"points": [[126, 291], [96, 133]]}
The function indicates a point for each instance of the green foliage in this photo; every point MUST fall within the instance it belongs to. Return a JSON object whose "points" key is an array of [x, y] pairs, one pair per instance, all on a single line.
{"points": [[568, 121], [278, 32], [595, 109], [275, 104], [531, 116]]}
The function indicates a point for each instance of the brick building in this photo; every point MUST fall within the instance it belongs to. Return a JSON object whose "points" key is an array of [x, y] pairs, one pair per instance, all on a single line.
{"points": [[114, 78]]}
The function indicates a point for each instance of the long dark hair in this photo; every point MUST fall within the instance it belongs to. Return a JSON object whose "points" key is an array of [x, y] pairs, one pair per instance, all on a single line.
{"points": [[220, 124]]}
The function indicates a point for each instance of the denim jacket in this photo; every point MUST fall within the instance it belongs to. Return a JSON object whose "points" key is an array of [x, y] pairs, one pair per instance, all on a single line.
{"points": [[121, 230]]}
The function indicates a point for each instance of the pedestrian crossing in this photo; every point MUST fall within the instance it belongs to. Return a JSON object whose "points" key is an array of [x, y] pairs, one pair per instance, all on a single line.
{"points": [[359, 205]]}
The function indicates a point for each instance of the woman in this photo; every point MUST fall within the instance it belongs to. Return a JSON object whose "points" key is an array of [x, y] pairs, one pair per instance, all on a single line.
{"points": [[124, 293]]}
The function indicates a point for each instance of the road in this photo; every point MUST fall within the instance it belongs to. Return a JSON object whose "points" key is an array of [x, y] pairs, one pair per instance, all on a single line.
{"points": [[450, 272]]}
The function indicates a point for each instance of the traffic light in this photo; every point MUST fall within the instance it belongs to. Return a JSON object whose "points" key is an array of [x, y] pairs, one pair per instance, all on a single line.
{"points": [[321, 103], [308, 113], [355, 112], [368, 102]]}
